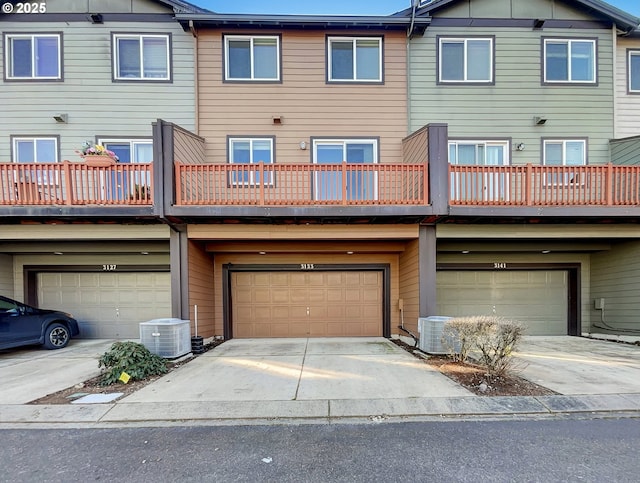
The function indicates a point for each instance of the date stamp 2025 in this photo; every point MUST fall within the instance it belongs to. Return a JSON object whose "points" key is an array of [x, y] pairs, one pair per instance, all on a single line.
{"points": [[24, 7]]}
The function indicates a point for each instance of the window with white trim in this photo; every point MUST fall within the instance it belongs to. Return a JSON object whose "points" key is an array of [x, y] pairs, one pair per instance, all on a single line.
{"points": [[252, 58], [479, 153], [564, 152], [130, 150], [35, 150], [251, 151], [354, 59], [634, 71], [361, 184], [476, 185], [569, 61], [465, 60], [141, 57], [33, 56]]}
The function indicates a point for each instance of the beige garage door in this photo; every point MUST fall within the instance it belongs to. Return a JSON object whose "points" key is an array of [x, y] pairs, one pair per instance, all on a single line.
{"points": [[306, 304], [108, 305], [539, 299]]}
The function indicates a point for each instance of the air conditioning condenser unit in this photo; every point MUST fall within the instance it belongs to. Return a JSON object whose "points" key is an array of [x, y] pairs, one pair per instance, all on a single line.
{"points": [[169, 338], [431, 330]]}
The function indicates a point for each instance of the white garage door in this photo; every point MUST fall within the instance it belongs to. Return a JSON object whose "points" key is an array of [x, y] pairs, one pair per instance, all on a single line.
{"points": [[537, 298], [108, 305]]}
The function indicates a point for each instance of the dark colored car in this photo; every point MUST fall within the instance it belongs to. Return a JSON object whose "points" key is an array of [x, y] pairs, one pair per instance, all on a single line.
{"points": [[21, 325]]}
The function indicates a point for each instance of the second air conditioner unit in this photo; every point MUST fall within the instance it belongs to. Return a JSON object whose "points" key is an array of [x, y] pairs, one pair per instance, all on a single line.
{"points": [[431, 330]]}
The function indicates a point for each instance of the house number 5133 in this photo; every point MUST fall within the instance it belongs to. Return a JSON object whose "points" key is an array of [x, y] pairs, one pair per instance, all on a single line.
{"points": [[109, 268]]}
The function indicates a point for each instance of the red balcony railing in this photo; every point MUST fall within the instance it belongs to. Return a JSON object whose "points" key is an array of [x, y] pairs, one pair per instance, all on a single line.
{"points": [[301, 184], [534, 185], [69, 183]]}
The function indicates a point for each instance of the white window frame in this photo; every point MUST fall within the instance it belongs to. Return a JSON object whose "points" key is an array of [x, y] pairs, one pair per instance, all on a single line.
{"points": [[465, 41], [269, 177], [570, 42], [140, 38], [318, 194], [42, 177], [251, 39], [633, 53], [568, 178], [495, 186], [9, 60], [354, 41], [132, 144]]}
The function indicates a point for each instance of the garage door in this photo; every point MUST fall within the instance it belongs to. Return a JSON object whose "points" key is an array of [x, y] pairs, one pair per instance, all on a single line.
{"points": [[539, 299], [108, 305], [306, 304]]}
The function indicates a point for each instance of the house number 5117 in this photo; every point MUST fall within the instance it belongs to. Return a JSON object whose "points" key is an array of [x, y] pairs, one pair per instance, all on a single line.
{"points": [[109, 268]]}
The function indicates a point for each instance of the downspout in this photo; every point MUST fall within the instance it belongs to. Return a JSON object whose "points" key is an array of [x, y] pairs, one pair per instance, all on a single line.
{"points": [[615, 85], [414, 5], [196, 86]]}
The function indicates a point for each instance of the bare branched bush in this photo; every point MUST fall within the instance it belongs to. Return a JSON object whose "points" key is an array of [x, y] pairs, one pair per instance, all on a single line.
{"points": [[491, 338]]}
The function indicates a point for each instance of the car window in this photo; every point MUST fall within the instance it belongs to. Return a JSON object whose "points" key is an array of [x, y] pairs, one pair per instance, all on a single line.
{"points": [[7, 306]]}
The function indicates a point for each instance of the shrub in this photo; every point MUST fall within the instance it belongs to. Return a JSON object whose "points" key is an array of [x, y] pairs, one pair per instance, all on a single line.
{"points": [[130, 357], [491, 338]]}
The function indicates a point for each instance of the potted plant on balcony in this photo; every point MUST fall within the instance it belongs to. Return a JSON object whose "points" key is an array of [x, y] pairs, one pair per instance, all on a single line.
{"points": [[97, 155]]}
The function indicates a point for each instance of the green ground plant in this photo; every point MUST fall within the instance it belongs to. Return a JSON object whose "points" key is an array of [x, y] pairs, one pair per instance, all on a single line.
{"points": [[130, 357]]}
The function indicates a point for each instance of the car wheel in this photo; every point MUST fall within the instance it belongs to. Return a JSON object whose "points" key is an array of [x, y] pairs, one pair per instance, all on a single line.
{"points": [[56, 336]]}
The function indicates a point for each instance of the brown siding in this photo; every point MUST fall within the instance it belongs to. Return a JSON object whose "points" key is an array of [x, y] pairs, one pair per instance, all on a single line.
{"points": [[201, 292], [187, 147], [409, 287], [415, 147], [308, 105]]}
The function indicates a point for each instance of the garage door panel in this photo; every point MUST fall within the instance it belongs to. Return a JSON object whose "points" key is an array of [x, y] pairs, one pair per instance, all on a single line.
{"points": [[107, 304], [320, 304], [537, 298]]}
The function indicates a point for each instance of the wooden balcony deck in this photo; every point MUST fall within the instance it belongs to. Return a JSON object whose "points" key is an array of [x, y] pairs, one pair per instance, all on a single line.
{"points": [[534, 185], [72, 184], [301, 184]]}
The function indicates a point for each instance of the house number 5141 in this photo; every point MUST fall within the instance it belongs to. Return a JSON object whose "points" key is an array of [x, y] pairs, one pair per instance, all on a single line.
{"points": [[109, 268]]}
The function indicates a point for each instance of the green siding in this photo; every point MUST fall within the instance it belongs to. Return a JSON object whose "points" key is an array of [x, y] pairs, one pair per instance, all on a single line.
{"points": [[615, 276], [546, 9], [626, 151], [95, 105]]}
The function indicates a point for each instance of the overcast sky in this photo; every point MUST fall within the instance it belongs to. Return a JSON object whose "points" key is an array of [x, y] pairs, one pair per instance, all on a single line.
{"points": [[340, 7]]}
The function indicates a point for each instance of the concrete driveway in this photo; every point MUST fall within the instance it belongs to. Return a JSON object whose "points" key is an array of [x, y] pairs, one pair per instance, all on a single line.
{"points": [[299, 370], [32, 372], [577, 365]]}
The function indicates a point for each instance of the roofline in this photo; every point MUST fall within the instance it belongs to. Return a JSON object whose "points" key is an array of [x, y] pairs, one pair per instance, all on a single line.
{"points": [[623, 20], [304, 21], [181, 6]]}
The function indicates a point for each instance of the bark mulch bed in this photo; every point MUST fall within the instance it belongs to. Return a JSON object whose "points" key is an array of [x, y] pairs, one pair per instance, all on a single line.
{"points": [[475, 379]]}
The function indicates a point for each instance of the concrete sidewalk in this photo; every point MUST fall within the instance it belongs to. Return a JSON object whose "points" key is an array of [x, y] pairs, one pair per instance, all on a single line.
{"points": [[331, 380]]}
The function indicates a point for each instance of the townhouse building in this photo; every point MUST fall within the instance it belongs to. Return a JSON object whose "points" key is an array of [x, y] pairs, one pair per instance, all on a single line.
{"points": [[344, 176], [74, 236]]}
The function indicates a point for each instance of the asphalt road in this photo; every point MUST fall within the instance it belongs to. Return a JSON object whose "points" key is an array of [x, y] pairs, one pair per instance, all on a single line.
{"points": [[545, 451]]}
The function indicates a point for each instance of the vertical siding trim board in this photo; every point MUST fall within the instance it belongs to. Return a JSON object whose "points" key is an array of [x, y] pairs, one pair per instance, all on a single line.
{"points": [[438, 167], [228, 269], [427, 252], [574, 283]]}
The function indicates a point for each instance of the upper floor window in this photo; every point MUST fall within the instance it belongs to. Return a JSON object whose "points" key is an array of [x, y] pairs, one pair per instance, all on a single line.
{"points": [[252, 58], [355, 59], [634, 71], [141, 57], [465, 60], [569, 61], [130, 150], [33, 56], [35, 149]]}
